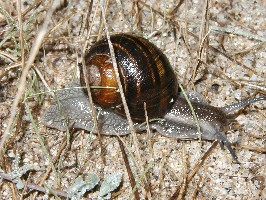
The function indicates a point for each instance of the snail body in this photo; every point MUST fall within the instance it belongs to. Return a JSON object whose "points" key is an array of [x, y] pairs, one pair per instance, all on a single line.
{"points": [[138, 61]]}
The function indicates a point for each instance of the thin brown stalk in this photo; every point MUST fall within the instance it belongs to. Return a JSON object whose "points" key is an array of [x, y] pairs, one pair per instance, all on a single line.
{"points": [[96, 125], [34, 187], [184, 174], [19, 123], [101, 26], [21, 37], [175, 9], [58, 154], [42, 78], [196, 191], [201, 162], [252, 148], [129, 171], [25, 12], [138, 13], [25, 188], [120, 87], [98, 128], [203, 40], [22, 83], [192, 173], [176, 24]]}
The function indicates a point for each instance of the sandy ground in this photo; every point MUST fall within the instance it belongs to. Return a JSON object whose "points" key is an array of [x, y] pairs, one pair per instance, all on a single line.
{"points": [[233, 68]]}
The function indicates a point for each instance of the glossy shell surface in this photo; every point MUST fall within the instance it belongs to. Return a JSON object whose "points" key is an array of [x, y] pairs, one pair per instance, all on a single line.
{"points": [[145, 73]]}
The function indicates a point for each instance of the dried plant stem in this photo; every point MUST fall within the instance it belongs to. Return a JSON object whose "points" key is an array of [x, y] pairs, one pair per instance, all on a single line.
{"points": [[9, 56], [129, 171], [252, 148], [21, 37], [22, 83], [58, 154], [196, 191], [184, 174], [32, 186], [40, 139], [90, 96], [203, 40], [232, 31], [201, 161], [101, 25], [130, 122], [42, 78], [257, 87], [192, 173]]}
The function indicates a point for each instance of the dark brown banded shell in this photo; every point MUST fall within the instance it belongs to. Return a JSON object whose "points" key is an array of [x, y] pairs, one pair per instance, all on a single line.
{"points": [[145, 73]]}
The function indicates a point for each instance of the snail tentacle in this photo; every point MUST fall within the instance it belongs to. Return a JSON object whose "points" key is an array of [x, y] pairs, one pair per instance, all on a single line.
{"points": [[236, 106], [223, 141]]}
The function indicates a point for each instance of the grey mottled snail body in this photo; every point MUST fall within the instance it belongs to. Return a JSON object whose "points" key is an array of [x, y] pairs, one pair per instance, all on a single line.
{"points": [[146, 76]]}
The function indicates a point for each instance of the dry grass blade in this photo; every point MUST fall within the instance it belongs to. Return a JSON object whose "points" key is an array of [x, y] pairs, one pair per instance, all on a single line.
{"points": [[184, 184], [32, 186], [83, 70], [55, 159], [129, 172], [40, 139], [31, 7], [196, 191], [35, 49], [11, 57], [19, 124], [192, 173], [203, 40], [252, 148], [130, 122], [41, 50], [200, 163], [174, 10]]}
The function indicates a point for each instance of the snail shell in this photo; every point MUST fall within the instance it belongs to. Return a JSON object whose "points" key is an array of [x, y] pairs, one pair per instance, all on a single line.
{"points": [[145, 73]]}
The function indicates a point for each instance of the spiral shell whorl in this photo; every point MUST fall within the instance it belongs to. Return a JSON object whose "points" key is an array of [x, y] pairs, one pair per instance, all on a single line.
{"points": [[145, 73]]}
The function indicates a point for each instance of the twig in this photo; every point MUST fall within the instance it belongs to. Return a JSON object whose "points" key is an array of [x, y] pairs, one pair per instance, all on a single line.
{"points": [[196, 168], [88, 88], [202, 160], [196, 191], [22, 83], [251, 148], [25, 12], [203, 40], [243, 33], [58, 154], [184, 185], [129, 119], [129, 171], [40, 139], [32, 186]]}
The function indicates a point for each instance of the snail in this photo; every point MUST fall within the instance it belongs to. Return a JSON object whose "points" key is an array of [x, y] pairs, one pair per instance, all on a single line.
{"points": [[146, 76]]}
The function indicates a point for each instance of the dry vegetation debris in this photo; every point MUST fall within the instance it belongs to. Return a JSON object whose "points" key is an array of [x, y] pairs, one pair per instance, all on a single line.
{"points": [[216, 48]]}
